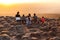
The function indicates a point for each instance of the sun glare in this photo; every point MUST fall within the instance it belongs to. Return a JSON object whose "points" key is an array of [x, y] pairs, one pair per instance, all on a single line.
{"points": [[16, 1], [7, 2]]}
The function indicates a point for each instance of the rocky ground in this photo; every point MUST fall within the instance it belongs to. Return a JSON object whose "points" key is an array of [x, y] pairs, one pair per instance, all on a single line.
{"points": [[12, 30]]}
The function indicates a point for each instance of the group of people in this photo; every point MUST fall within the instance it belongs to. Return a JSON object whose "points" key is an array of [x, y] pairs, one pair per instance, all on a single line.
{"points": [[28, 19]]}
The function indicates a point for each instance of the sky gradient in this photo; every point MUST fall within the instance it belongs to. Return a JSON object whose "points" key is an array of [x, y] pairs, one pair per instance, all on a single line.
{"points": [[10, 7]]}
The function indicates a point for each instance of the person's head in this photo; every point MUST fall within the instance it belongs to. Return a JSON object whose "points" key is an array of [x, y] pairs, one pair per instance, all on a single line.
{"points": [[18, 13], [23, 15], [42, 16], [29, 15], [34, 14]]}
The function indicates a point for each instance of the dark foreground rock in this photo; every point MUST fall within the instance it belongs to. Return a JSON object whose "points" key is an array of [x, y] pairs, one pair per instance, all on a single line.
{"points": [[10, 29]]}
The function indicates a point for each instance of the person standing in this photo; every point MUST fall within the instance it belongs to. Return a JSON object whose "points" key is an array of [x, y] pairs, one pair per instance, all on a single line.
{"points": [[18, 17], [30, 17], [35, 18], [23, 19], [28, 21]]}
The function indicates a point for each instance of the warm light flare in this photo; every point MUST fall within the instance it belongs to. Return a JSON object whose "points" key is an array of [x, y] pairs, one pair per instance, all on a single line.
{"points": [[26, 1], [17, 1]]}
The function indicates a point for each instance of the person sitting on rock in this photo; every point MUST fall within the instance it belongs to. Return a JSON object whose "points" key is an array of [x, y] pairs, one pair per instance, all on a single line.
{"points": [[42, 19], [18, 17], [28, 22], [30, 17], [35, 18], [23, 19]]}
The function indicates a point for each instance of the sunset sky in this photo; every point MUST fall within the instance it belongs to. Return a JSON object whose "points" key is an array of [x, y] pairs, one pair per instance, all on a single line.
{"points": [[10, 7]]}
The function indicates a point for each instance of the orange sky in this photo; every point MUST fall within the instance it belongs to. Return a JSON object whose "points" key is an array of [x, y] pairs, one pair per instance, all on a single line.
{"points": [[25, 7]]}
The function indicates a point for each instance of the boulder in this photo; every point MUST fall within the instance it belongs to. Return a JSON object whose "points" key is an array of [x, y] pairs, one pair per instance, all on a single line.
{"points": [[1, 26], [5, 32], [4, 37], [35, 26], [57, 38], [13, 38], [6, 25], [20, 29], [17, 30], [3, 22], [26, 36], [34, 38], [12, 31], [58, 29], [1, 16], [2, 19], [14, 23]]}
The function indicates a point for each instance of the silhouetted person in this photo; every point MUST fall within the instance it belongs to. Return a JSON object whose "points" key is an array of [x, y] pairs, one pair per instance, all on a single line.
{"points": [[23, 19], [35, 18], [28, 21], [30, 16], [18, 18], [42, 19]]}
